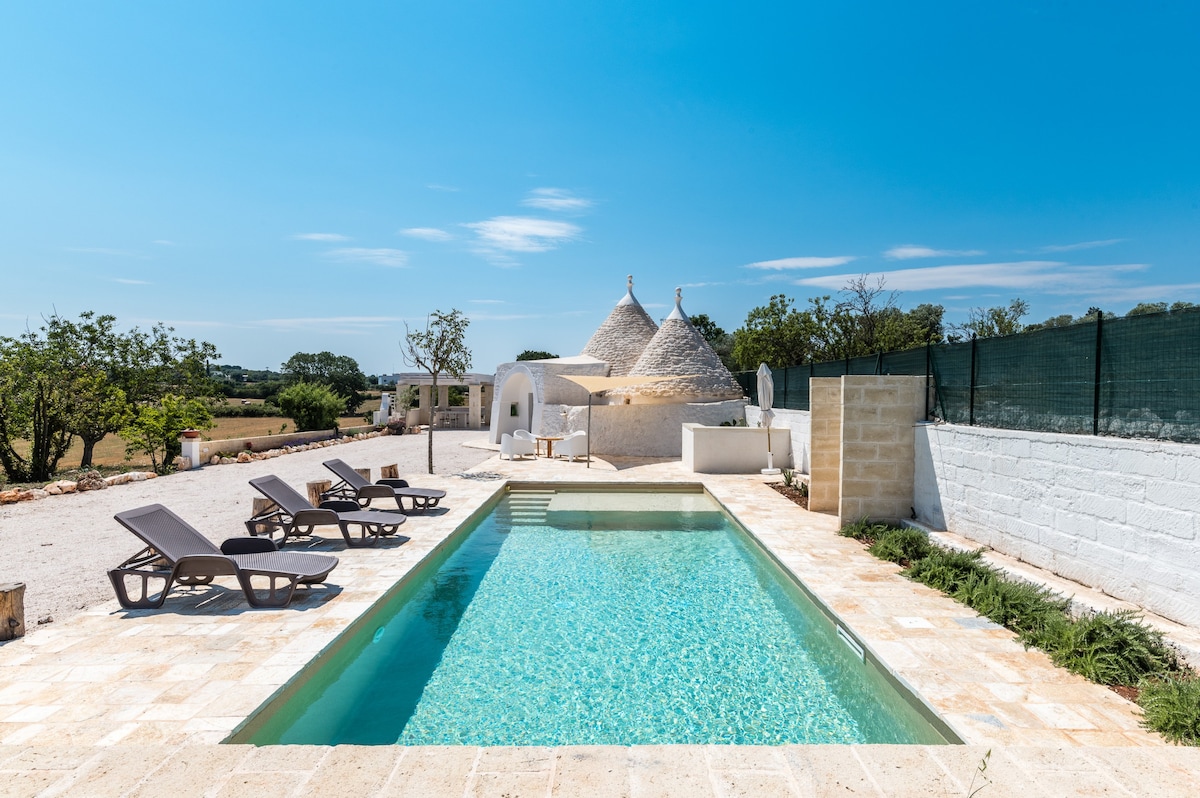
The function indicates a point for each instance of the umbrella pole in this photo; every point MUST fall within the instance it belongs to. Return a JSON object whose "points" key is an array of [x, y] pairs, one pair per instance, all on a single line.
{"points": [[589, 449]]}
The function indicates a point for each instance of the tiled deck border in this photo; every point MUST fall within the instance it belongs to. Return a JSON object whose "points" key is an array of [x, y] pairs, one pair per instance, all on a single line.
{"points": [[113, 703]]}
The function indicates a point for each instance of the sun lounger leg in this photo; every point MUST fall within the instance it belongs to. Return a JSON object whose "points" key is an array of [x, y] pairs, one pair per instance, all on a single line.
{"points": [[276, 594], [144, 601]]}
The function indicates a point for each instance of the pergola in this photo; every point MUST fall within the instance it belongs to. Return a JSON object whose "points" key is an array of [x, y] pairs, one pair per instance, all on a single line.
{"points": [[479, 393]]}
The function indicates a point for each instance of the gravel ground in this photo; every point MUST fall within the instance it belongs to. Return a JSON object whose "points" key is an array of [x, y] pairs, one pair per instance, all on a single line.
{"points": [[62, 547]]}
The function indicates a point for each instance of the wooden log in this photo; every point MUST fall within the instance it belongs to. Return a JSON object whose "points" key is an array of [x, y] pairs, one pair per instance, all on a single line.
{"points": [[390, 471], [12, 610], [315, 489], [365, 473], [262, 506]]}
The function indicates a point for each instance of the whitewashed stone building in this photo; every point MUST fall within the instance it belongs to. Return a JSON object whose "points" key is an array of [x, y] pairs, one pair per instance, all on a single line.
{"points": [[639, 420]]}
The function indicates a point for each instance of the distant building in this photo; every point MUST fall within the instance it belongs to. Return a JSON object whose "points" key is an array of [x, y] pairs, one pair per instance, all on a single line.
{"points": [[639, 420]]}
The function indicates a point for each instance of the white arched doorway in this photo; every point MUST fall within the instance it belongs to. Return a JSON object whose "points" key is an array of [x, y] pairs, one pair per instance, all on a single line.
{"points": [[515, 405]]}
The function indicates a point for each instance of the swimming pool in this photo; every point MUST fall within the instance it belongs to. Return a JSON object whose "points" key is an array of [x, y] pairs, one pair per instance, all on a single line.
{"points": [[584, 618]]}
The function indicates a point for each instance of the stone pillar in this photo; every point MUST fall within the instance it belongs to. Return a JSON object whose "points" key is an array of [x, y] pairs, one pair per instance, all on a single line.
{"points": [[443, 396], [825, 444], [191, 450], [879, 446], [474, 407], [487, 391], [426, 403]]}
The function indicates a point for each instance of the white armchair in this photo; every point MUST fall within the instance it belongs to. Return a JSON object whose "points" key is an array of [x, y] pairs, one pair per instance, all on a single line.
{"points": [[573, 445], [515, 447]]}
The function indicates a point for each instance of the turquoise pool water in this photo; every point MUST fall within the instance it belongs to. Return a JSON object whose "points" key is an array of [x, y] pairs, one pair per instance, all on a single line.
{"points": [[581, 626]]}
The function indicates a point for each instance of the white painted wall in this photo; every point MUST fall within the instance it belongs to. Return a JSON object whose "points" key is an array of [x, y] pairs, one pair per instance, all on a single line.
{"points": [[638, 430], [1117, 515], [799, 424], [732, 450]]}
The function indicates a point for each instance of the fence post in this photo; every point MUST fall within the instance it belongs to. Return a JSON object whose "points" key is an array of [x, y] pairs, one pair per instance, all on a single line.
{"points": [[928, 356], [878, 363], [785, 389], [1096, 395], [971, 412]]}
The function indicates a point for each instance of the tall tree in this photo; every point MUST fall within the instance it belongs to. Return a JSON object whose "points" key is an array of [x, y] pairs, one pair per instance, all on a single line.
{"points": [[439, 348], [339, 373], [995, 321], [716, 337]]}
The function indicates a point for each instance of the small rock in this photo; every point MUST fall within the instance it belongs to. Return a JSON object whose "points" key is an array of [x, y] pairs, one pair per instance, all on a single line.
{"points": [[45, 619], [36, 493], [118, 479], [214, 460], [53, 489], [10, 496], [91, 481], [183, 463], [244, 457]]}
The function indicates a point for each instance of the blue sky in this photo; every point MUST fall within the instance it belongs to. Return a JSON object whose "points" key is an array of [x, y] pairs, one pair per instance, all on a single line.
{"points": [[284, 177]]}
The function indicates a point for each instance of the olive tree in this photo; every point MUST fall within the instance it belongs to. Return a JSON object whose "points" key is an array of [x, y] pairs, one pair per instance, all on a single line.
{"points": [[438, 349]]}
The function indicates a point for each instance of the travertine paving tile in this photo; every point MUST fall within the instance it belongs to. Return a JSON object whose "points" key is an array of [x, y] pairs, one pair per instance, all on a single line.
{"points": [[660, 771], [352, 770], [432, 772], [591, 771]]}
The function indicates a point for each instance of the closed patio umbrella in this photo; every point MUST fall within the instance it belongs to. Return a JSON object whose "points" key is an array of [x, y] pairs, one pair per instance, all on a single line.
{"points": [[766, 397]]}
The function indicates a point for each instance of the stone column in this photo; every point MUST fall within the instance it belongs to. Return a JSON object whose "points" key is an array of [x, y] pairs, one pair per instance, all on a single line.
{"points": [[426, 403], [474, 407], [825, 446], [443, 396], [878, 446]]}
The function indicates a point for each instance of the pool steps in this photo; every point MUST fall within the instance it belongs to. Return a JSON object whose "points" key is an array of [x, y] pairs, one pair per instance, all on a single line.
{"points": [[525, 507]]}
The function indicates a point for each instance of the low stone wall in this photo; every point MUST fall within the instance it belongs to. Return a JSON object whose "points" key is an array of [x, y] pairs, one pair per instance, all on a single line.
{"points": [[733, 450], [1117, 515], [265, 443]]}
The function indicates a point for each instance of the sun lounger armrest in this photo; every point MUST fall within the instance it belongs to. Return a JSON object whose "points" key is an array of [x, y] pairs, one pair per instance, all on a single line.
{"points": [[248, 546], [203, 565], [339, 505], [315, 517], [376, 492], [393, 483]]}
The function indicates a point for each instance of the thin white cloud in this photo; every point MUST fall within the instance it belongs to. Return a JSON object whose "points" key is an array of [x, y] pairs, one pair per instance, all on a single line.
{"points": [[502, 317], [394, 258], [320, 237], [1034, 275], [910, 251], [522, 234], [127, 281], [801, 263], [1108, 242], [426, 233], [439, 187], [556, 199], [699, 285], [331, 324], [124, 253]]}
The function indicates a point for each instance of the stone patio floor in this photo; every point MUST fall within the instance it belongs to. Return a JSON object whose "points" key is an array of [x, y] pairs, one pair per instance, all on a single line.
{"points": [[116, 703]]}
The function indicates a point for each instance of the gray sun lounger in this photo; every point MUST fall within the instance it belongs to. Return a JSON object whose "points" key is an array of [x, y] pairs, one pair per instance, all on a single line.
{"points": [[354, 486], [176, 553], [293, 516]]}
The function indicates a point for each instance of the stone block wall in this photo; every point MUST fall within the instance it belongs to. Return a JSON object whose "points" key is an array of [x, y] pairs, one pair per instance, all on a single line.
{"points": [[878, 415], [1117, 515], [825, 403]]}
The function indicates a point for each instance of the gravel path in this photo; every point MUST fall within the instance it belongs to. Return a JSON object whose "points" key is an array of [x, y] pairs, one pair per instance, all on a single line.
{"points": [[62, 547]]}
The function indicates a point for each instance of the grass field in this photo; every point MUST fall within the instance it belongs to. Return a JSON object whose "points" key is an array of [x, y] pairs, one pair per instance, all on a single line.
{"points": [[110, 452]]}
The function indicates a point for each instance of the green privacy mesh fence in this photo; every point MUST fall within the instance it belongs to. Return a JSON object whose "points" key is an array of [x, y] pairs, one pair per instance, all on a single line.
{"points": [[1135, 377]]}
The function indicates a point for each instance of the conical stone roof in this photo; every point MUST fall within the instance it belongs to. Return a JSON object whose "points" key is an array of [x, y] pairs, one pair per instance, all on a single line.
{"points": [[619, 341], [679, 348]]}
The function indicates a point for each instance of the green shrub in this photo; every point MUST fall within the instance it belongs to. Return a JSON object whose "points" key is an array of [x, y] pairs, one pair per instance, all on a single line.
{"points": [[311, 406], [863, 531], [1114, 648], [947, 570], [1171, 707], [901, 546], [1034, 613]]}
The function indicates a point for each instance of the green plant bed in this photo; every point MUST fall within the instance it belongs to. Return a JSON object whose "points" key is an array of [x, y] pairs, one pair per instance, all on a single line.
{"points": [[1113, 649]]}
